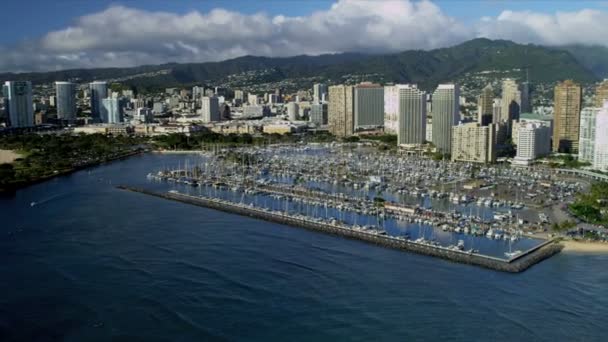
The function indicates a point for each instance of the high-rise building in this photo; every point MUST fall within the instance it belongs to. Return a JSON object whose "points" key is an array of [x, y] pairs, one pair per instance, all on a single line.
{"points": [[485, 103], [586, 140], [210, 109], [412, 115], [66, 100], [99, 91], [18, 103], [239, 95], [144, 115], [601, 94], [319, 92], [292, 111], [112, 110], [566, 117], [496, 110], [341, 110], [318, 113], [369, 105], [252, 99], [600, 151], [511, 101], [446, 114], [473, 143], [526, 92], [533, 141], [197, 92], [391, 104]]}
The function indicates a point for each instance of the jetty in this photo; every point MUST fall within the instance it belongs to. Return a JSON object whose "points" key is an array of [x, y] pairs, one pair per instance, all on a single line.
{"points": [[516, 264]]}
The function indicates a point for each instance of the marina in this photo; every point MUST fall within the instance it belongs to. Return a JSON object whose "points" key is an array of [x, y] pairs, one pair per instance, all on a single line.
{"points": [[517, 263]]}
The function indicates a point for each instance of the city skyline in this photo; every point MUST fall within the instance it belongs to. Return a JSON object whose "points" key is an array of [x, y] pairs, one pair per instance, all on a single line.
{"points": [[100, 34]]}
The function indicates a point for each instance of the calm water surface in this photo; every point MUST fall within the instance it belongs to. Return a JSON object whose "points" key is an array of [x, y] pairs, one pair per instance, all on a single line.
{"points": [[92, 263]]}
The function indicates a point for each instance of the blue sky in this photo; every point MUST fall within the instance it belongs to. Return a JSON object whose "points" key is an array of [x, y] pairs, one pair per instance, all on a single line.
{"points": [[59, 34]]}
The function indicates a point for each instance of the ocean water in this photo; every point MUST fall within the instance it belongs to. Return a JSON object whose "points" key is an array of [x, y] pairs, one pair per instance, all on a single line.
{"points": [[93, 263]]}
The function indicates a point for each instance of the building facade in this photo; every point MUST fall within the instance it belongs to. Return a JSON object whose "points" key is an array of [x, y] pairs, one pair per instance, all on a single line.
{"points": [[98, 92], [18, 103], [210, 109], [341, 110], [391, 104], [411, 115], [600, 152], [112, 112], [511, 101], [601, 94], [369, 106], [566, 117], [292, 111], [473, 143], [485, 104], [66, 100], [446, 114], [319, 91], [533, 141], [318, 113], [586, 140]]}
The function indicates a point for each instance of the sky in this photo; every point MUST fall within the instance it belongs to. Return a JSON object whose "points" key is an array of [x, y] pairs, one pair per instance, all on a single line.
{"points": [[61, 34]]}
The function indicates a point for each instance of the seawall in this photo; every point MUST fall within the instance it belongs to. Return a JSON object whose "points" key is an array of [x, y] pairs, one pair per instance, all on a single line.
{"points": [[514, 265]]}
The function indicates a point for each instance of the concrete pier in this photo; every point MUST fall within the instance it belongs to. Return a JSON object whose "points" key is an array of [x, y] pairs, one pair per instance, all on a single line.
{"points": [[517, 264]]}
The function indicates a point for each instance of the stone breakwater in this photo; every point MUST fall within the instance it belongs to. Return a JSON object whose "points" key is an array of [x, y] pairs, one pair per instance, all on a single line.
{"points": [[517, 264]]}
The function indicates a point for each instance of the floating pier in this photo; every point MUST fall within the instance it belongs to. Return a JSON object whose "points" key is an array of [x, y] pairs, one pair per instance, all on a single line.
{"points": [[516, 264]]}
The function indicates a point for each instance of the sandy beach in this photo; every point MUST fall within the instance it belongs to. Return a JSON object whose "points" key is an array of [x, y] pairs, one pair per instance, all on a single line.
{"points": [[584, 247], [7, 156]]}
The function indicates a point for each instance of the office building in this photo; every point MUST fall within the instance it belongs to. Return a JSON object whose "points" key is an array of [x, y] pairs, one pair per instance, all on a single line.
{"points": [[318, 113], [473, 143], [99, 91], [485, 106], [600, 153], [601, 94], [319, 92], [566, 117], [66, 100], [446, 114], [112, 111], [292, 111], [496, 110], [533, 141], [586, 140], [341, 110], [210, 109], [412, 115], [144, 115], [197, 92], [256, 111], [239, 95], [526, 118], [18, 103], [368, 106]]}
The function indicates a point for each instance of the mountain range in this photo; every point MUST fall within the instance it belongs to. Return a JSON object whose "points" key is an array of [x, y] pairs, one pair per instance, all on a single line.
{"points": [[584, 64]]}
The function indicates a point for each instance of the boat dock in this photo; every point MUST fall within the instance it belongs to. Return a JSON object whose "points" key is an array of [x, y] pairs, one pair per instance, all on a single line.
{"points": [[516, 264]]}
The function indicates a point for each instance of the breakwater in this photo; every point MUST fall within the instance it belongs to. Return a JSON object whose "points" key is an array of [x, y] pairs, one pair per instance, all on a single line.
{"points": [[514, 265]]}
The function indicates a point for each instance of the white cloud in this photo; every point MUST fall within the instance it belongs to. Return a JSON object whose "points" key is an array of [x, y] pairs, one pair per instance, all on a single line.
{"points": [[124, 36]]}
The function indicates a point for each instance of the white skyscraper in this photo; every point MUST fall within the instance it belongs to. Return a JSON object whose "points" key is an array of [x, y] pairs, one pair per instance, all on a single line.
{"points": [[533, 141], [252, 99], [66, 100], [411, 120], [446, 114], [600, 151], [99, 91], [112, 110], [210, 109], [18, 97], [586, 139], [391, 104]]}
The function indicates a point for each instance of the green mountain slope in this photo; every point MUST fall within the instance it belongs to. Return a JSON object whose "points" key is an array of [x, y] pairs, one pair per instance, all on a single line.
{"points": [[424, 67]]}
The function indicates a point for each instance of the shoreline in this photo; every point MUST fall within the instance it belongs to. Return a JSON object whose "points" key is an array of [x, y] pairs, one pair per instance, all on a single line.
{"points": [[585, 247], [11, 188]]}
